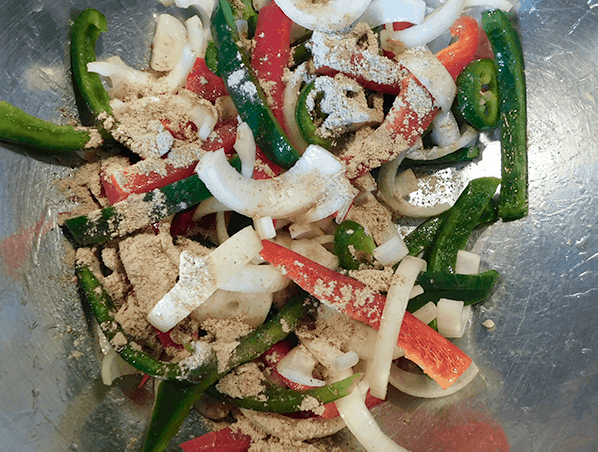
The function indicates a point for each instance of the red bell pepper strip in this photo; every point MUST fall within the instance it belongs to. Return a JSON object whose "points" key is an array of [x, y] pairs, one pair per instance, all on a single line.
{"points": [[204, 82], [271, 55], [436, 355], [134, 179], [459, 54], [224, 440]]}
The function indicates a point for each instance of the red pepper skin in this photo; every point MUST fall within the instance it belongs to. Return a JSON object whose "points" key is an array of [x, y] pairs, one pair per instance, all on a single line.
{"points": [[120, 184], [271, 55], [204, 82], [224, 440], [459, 54], [436, 355]]}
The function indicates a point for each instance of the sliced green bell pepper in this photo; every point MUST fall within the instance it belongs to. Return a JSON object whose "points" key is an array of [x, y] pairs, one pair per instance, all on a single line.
{"points": [[350, 237]]}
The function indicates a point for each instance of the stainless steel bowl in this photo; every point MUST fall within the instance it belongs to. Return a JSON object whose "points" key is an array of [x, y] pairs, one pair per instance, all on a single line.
{"points": [[538, 387]]}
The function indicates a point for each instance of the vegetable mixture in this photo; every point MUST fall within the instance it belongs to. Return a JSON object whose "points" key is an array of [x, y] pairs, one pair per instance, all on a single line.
{"points": [[243, 250]]}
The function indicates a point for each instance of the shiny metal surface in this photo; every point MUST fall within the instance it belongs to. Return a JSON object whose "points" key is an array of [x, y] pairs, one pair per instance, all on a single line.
{"points": [[539, 372]]}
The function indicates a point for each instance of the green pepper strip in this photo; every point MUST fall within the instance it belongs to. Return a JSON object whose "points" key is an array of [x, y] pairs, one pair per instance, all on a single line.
{"points": [[174, 399], [306, 124], [470, 289], [234, 66], [84, 34], [140, 210], [459, 223], [347, 235], [422, 237], [513, 200], [19, 127], [477, 94], [211, 57], [462, 155], [282, 400], [102, 307]]}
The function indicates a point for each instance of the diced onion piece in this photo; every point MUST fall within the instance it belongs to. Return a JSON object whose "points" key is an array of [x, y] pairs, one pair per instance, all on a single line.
{"points": [[406, 183], [503, 5], [329, 16], [417, 290], [177, 78], [388, 11], [207, 207], [245, 147], [298, 366], [291, 429], [253, 308], [467, 263], [290, 194], [196, 283], [167, 46], [426, 313], [386, 185], [257, 279], [221, 229], [339, 198], [445, 130], [264, 227], [347, 360], [363, 341], [113, 367], [119, 75], [291, 96], [467, 136], [362, 424], [390, 325], [325, 352], [432, 74], [316, 252], [304, 231], [452, 317], [433, 26], [196, 35], [391, 252], [419, 385]]}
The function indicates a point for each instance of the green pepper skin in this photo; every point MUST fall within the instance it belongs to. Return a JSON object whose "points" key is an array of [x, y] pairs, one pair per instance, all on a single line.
{"points": [[211, 57], [477, 94], [513, 200], [84, 34], [469, 289], [462, 218], [234, 67], [19, 127], [306, 124], [102, 307], [351, 234], [174, 399], [462, 155]]}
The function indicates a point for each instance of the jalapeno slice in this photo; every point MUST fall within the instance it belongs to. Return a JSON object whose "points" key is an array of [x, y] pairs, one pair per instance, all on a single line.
{"points": [[477, 95]]}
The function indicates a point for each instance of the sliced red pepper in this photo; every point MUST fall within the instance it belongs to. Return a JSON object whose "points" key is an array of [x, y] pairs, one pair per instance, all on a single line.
{"points": [[224, 440], [166, 340], [271, 55], [459, 54], [436, 355], [484, 49], [134, 179], [204, 82], [183, 133]]}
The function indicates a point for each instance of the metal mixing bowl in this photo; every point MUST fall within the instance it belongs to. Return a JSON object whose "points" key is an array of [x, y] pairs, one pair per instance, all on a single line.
{"points": [[539, 380]]}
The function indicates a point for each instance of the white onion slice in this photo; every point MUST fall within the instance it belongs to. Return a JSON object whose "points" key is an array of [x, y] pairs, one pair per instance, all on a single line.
{"points": [[291, 96], [468, 263], [503, 5], [253, 308], [316, 252], [291, 429], [196, 35], [426, 313], [221, 229], [445, 129], [467, 136], [388, 11], [168, 42], [300, 231], [257, 279], [420, 385], [406, 183], [391, 252], [177, 78], [386, 185], [207, 207], [245, 147], [205, 8], [417, 290], [452, 317], [120, 75], [196, 283], [328, 16], [346, 360], [113, 367], [264, 227], [290, 194], [298, 366], [433, 26], [390, 325], [363, 341]]}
